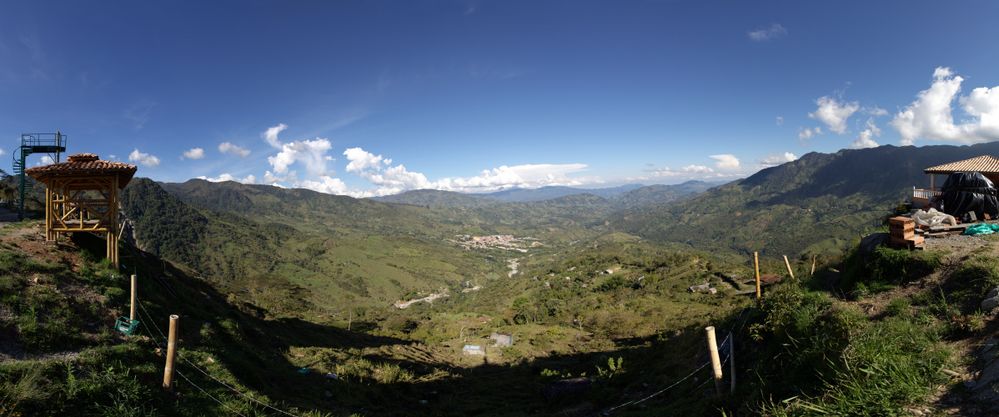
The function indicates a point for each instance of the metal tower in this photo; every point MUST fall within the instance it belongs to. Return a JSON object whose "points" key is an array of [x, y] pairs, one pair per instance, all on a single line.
{"points": [[53, 144]]}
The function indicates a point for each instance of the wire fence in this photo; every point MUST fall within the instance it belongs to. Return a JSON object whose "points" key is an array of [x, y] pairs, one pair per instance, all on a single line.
{"points": [[149, 319], [725, 348]]}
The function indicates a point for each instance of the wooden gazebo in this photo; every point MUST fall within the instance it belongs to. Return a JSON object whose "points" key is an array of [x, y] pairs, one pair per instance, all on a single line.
{"points": [[81, 195]]}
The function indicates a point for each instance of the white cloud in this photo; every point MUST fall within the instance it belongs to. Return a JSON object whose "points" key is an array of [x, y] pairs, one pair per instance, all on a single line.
{"points": [[875, 111], [233, 149], [271, 135], [726, 161], [311, 153], [328, 185], [361, 160], [767, 33], [144, 159], [866, 137], [931, 117], [249, 179], [687, 171], [780, 120], [389, 179], [806, 133], [273, 179], [46, 160], [777, 159], [834, 113], [194, 153], [522, 176], [2, 151]]}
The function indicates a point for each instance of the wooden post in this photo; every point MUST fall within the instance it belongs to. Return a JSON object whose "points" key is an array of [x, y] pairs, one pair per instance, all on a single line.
{"points": [[756, 264], [171, 351], [788, 265], [715, 361], [813, 266], [731, 362], [131, 309]]}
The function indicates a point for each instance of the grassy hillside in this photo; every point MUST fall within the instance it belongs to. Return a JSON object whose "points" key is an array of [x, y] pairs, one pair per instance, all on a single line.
{"points": [[815, 204], [326, 257], [864, 341]]}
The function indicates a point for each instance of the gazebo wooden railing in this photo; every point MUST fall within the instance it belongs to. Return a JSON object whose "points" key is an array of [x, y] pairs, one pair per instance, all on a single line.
{"points": [[81, 195]]}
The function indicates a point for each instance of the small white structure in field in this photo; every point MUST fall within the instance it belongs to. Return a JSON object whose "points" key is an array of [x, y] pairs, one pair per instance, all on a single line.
{"points": [[473, 350], [502, 339]]}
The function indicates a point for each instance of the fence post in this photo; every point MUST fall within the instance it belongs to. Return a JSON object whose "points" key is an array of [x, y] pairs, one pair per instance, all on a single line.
{"points": [[756, 265], [171, 351], [788, 265], [131, 309], [715, 361]]}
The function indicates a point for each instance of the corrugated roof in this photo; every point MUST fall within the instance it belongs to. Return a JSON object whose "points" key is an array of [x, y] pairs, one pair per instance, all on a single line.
{"points": [[985, 164], [83, 164]]}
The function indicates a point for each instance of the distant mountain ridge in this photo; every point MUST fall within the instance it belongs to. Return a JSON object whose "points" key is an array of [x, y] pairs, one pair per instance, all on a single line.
{"points": [[628, 195]]}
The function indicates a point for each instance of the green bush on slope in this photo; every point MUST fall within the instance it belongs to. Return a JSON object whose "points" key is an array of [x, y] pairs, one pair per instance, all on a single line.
{"points": [[831, 359]]}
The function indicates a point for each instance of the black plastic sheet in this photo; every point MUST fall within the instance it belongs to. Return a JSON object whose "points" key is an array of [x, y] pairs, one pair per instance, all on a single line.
{"points": [[965, 192]]}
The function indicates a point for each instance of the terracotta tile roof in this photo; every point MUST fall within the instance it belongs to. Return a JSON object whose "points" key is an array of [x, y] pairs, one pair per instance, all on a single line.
{"points": [[984, 163], [82, 164]]}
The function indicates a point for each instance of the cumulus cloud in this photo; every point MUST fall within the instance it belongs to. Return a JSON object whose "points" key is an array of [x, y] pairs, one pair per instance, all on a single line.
{"points": [[777, 159], [194, 153], [726, 161], [808, 133], [762, 34], [271, 135], [310, 153], [144, 159], [391, 179], [233, 149], [931, 116], [249, 179], [329, 185], [361, 160], [834, 113], [522, 176], [866, 137]]}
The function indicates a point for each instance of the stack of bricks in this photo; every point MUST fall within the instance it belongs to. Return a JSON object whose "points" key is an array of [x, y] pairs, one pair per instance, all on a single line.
{"points": [[902, 231]]}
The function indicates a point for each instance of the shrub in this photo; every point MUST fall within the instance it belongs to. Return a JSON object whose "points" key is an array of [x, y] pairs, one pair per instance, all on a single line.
{"points": [[885, 267], [898, 307]]}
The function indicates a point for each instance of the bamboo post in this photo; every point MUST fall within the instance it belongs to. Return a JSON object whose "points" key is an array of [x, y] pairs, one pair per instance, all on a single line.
{"points": [[731, 362], [756, 265], [715, 361], [788, 265], [171, 351], [813, 266], [131, 309]]}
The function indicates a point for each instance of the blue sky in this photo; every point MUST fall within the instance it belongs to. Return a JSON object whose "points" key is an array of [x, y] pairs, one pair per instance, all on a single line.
{"points": [[376, 97]]}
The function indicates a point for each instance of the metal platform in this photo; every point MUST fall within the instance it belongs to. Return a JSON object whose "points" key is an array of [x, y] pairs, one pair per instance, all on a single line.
{"points": [[53, 144]]}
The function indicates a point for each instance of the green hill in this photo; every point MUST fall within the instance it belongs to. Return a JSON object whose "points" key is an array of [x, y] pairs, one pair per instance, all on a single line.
{"points": [[816, 204]]}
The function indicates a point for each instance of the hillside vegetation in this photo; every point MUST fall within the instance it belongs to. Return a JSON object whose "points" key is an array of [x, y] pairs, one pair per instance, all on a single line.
{"points": [[327, 305], [815, 204]]}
